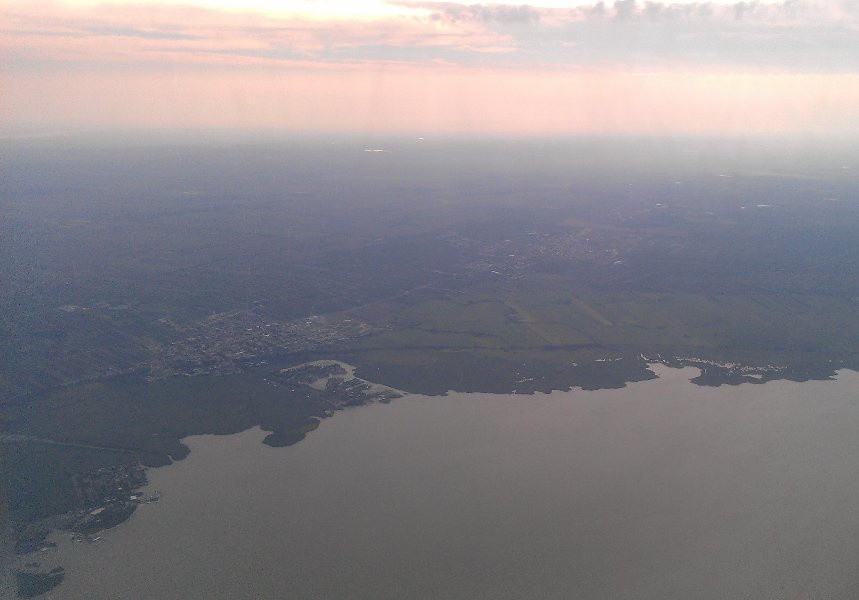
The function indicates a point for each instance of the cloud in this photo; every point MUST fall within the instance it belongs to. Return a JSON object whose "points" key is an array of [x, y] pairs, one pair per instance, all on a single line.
{"points": [[774, 13], [749, 34], [486, 13], [179, 34], [141, 33], [624, 9], [620, 65]]}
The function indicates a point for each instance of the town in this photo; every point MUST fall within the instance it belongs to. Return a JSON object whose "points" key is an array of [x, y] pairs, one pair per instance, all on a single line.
{"points": [[224, 342]]}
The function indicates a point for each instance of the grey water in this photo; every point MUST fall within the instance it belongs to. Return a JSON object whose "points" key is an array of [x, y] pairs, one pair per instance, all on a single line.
{"points": [[659, 490]]}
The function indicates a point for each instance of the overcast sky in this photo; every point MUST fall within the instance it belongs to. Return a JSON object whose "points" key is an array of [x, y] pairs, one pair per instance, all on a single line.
{"points": [[422, 67]]}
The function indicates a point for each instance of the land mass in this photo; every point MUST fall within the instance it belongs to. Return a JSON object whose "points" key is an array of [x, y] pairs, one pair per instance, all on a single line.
{"points": [[146, 303]]}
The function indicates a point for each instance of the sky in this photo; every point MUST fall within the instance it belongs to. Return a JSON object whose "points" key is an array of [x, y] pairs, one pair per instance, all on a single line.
{"points": [[431, 68]]}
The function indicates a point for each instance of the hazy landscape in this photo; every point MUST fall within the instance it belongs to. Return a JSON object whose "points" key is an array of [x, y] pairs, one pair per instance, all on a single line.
{"points": [[413, 299], [156, 292]]}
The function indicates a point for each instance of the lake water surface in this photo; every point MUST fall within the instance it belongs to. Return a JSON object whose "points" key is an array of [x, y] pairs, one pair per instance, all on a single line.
{"points": [[659, 490]]}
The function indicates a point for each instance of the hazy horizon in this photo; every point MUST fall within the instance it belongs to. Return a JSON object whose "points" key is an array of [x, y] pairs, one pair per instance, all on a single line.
{"points": [[209, 207], [432, 68]]}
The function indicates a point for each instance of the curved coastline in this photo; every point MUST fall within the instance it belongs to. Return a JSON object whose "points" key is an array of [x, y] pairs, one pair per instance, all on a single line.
{"points": [[472, 403]]}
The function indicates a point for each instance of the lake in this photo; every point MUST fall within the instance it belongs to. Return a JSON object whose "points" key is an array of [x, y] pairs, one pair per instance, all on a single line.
{"points": [[660, 490]]}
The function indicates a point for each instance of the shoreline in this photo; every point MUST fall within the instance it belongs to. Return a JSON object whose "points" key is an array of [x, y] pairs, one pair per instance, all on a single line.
{"points": [[328, 376], [605, 403]]}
